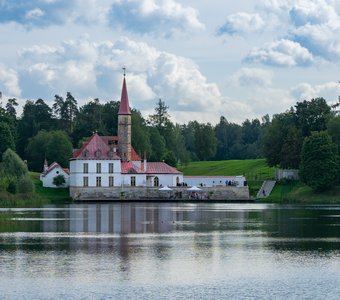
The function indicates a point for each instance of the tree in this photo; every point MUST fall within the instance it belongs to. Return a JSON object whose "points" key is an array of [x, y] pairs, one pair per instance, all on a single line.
{"points": [[36, 116], [6, 138], [13, 165], [333, 128], [158, 145], [161, 116], [10, 107], [25, 184], [319, 167], [52, 145], [205, 141], [170, 158], [59, 180], [312, 115]]}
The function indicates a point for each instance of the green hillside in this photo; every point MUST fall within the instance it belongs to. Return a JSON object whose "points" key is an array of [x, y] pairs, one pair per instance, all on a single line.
{"points": [[252, 169]]}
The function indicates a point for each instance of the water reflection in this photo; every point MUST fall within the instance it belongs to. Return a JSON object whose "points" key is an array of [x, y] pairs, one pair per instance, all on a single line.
{"points": [[163, 250]]}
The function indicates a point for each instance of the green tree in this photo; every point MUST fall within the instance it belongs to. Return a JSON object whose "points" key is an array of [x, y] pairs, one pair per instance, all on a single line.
{"points": [[333, 128], [52, 145], [158, 145], [6, 138], [36, 116], [13, 165], [170, 158], [25, 185], [312, 115], [319, 167], [59, 180], [205, 141]]}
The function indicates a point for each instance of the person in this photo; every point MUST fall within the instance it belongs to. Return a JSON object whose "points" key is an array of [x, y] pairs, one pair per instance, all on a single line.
{"points": [[264, 193]]}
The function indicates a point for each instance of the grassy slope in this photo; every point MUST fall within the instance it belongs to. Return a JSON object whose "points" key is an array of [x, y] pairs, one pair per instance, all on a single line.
{"points": [[256, 171], [251, 168]]}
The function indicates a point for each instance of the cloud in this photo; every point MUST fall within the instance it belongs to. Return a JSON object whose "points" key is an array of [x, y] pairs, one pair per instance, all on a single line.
{"points": [[305, 91], [240, 23], [251, 77], [34, 13], [89, 69], [283, 53], [162, 17], [9, 83]]}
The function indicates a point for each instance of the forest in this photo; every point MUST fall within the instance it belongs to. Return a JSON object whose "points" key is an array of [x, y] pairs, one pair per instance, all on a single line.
{"points": [[51, 132]]}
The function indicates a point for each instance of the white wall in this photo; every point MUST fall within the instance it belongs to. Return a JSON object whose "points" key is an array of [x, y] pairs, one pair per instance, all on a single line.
{"points": [[211, 181], [47, 180], [77, 175]]}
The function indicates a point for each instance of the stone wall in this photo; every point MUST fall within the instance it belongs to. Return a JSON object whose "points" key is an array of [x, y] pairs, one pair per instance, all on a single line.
{"points": [[151, 193]]}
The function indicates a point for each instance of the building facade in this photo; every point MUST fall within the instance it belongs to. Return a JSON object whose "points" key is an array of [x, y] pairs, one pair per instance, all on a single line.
{"points": [[105, 166]]}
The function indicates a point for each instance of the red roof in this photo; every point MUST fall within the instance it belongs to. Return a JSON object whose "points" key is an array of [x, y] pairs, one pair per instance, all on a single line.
{"points": [[52, 167], [95, 148], [161, 168], [124, 108], [129, 167]]}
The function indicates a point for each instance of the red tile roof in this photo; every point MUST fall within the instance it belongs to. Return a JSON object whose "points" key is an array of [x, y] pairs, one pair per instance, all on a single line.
{"points": [[52, 167], [94, 144], [124, 108], [129, 167], [161, 168]]}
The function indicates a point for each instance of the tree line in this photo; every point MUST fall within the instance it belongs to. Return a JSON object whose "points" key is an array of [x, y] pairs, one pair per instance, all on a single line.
{"points": [[51, 132]]}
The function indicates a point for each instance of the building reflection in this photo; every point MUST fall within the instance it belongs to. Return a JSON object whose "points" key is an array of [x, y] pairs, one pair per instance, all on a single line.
{"points": [[135, 218]]}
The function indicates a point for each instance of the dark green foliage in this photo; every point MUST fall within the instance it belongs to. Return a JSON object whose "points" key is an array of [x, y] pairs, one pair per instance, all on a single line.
{"points": [[158, 145], [25, 185], [59, 180], [12, 187], [12, 165], [205, 141], [6, 138], [36, 116], [333, 128], [52, 145], [319, 167], [170, 159]]}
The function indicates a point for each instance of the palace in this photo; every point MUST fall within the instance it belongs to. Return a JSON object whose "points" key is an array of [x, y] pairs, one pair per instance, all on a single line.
{"points": [[107, 167]]}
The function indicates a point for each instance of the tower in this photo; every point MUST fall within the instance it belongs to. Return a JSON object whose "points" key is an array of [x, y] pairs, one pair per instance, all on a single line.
{"points": [[124, 125]]}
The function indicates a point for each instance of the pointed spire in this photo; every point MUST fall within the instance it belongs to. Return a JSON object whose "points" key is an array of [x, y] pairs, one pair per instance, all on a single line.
{"points": [[124, 108]]}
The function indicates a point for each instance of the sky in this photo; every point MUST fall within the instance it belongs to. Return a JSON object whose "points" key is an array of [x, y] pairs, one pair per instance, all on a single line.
{"points": [[204, 59]]}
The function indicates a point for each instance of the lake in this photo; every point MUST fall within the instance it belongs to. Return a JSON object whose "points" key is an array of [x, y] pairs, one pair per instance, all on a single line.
{"points": [[170, 251]]}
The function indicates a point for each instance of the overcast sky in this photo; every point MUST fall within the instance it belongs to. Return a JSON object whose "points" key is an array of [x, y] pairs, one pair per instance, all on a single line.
{"points": [[205, 59]]}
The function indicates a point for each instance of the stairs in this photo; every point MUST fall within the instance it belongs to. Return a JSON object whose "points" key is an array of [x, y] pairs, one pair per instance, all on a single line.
{"points": [[266, 188]]}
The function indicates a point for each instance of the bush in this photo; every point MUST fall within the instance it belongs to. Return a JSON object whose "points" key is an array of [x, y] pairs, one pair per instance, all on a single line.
{"points": [[59, 180], [25, 185]]}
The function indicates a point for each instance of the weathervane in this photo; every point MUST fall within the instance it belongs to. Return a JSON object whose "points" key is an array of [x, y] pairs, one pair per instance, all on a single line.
{"points": [[124, 69]]}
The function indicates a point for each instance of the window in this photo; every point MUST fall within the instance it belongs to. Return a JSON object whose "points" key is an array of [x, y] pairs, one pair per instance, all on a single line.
{"points": [[99, 167], [86, 153], [133, 180], [111, 181], [111, 168], [85, 181], [156, 181], [98, 153], [98, 181], [85, 168]]}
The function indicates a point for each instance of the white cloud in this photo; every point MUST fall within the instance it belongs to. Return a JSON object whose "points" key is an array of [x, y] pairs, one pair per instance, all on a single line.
{"points": [[34, 13], [283, 53], [251, 77], [242, 23], [161, 17], [9, 83], [305, 91], [97, 71]]}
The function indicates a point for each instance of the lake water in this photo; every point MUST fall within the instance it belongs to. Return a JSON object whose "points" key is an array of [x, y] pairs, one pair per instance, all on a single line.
{"points": [[170, 251]]}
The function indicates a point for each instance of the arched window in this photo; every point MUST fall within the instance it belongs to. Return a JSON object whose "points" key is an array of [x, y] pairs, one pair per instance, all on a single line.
{"points": [[156, 181], [177, 181]]}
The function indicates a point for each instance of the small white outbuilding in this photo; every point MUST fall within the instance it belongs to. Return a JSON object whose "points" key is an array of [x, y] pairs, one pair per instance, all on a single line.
{"points": [[51, 171]]}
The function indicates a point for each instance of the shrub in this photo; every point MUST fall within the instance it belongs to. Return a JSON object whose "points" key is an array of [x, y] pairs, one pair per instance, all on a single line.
{"points": [[25, 185]]}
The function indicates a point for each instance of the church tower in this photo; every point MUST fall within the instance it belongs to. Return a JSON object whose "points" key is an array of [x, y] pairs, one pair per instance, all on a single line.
{"points": [[124, 125]]}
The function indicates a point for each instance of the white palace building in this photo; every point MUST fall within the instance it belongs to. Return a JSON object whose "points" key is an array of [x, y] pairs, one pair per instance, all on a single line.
{"points": [[108, 168]]}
